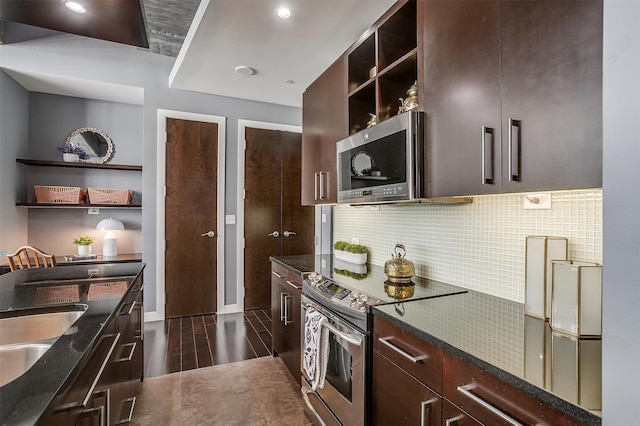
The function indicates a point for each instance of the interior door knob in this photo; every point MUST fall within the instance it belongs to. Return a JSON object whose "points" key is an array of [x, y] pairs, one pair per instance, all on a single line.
{"points": [[274, 234], [288, 233], [209, 234]]}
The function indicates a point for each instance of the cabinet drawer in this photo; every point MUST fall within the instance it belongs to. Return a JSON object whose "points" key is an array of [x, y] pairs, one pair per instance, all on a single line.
{"points": [[493, 401], [278, 270], [453, 416], [400, 399], [409, 352]]}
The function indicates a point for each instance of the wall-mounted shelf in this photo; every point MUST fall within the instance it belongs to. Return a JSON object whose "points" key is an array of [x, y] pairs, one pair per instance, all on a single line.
{"points": [[77, 206], [48, 163]]}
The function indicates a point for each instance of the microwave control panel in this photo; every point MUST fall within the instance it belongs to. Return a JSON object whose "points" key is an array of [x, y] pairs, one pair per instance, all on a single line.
{"points": [[380, 193]]}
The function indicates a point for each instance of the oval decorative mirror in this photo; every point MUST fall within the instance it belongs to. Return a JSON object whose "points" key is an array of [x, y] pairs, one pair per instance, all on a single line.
{"points": [[96, 143]]}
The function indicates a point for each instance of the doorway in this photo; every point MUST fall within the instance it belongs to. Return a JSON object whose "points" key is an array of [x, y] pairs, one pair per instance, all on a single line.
{"points": [[274, 221], [190, 265]]}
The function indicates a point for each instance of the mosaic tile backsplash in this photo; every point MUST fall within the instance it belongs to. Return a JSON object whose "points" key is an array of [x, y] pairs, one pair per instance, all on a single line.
{"points": [[480, 246]]}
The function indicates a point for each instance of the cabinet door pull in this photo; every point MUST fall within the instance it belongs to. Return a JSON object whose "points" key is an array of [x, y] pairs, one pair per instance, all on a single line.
{"points": [[487, 155], [453, 421], [385, 340], [131, 352], [515, 138], [282, 311], [277, 274], [294, 285], [323, 187], [425, 413], [466, 391], [130, 311], [316, 183], [286, 310], [131, 400]]}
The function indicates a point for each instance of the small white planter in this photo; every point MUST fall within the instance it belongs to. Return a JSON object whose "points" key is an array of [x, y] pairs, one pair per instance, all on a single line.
{"points": [[357, 258], [84, 250], [70, 158]]}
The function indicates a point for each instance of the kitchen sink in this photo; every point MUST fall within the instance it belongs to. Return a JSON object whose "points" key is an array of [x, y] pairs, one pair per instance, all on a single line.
{"points": [[35, 325], [15, 360]]}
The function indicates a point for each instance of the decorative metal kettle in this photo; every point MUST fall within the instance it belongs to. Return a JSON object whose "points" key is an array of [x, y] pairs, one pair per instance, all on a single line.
{"points": [[412, 99], [398, 269]]}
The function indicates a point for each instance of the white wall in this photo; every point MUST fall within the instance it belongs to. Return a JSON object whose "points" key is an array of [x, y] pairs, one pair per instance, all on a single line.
{"points": [[621, 187], [96, 60]]}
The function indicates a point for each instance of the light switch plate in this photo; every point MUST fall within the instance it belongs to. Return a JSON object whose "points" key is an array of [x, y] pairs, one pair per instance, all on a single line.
{"points": [[537, 201], [355, 240], [230, 219]]}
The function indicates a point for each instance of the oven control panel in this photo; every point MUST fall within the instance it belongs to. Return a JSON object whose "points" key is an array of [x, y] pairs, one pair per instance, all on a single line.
{"points": [[333, 290]]}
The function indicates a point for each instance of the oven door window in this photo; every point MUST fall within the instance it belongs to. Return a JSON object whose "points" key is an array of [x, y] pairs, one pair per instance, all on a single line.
{"points": [[339, 373], [376, 163]]}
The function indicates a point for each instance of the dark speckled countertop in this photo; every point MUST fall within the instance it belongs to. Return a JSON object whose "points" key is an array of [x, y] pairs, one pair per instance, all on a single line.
{"points": [[100, 287], [495, 335]]}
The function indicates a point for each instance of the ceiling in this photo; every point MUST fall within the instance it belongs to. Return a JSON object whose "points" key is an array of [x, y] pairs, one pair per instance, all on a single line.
{"points": [[210, 38]]}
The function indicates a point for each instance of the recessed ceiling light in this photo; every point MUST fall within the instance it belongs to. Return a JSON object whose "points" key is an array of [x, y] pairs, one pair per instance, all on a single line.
{"points": [[74, 7], [244, 70], [283, 12]]}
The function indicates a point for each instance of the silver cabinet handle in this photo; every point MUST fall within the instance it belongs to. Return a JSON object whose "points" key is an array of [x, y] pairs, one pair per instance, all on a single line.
{"points": [[274, 234], [282, 311], [425, 411], [322, 193], [288, 233], [453, 421], [209, 234], [487, 155], [410, 357], [305, 396], [316, 182], [514, 149], [130, 357], [465, 390], [277, 274], [286, 310], [294, 285]]}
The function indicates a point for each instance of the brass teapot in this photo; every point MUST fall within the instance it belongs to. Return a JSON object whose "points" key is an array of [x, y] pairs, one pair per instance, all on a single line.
{"points": [[411, 101], [398, 269]]}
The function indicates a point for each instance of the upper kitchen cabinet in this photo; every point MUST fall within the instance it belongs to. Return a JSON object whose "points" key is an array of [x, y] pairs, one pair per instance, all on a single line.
{"points": [[513, 96], [551, 95], [324, 122], [383, 66]]}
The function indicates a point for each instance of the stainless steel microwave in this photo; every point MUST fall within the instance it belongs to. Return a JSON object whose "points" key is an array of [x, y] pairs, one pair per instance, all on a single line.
{"points": [[384, 163]]}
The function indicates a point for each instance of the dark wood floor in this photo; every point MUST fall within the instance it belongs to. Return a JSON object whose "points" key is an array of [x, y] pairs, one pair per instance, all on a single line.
{"points": [[186, 343]]}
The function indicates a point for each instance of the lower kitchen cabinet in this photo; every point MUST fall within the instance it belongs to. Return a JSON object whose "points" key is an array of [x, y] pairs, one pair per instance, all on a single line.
{"points": [[401, 399], [453, 416], [104, 391], [286, 291]]}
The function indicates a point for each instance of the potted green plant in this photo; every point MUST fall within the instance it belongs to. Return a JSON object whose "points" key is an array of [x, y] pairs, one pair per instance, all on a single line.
{"points": [[353, 253], [84, 244]]}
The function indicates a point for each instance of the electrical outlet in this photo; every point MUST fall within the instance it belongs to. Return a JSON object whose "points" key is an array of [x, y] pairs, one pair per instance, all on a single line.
{"points": [[324, 218], [93, 272], [230, 219], [537, 201], [94, 211], [355, 240], [374, 208]]}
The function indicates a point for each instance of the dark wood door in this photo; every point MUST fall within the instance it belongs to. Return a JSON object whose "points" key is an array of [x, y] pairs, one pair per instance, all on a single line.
{"points": [[552, 90], [462, 94], [190, 211], [271, 207]]}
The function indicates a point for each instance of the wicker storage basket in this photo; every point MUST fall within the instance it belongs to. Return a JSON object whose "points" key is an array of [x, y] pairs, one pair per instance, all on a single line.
{"points": [[110, 196], [59, 194]]}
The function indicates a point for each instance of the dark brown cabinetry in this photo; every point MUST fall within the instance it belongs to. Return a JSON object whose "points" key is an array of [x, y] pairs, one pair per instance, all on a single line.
{"points": [[324, 122], [286, 287], [513, 95], [407, 378], [104, 391]]}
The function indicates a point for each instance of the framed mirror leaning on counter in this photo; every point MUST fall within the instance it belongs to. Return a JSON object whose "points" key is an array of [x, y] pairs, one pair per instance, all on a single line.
{"points": [[96, 143]]}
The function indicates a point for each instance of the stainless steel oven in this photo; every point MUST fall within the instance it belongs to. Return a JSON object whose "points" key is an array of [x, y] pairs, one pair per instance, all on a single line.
{"points": [[342, 399]]}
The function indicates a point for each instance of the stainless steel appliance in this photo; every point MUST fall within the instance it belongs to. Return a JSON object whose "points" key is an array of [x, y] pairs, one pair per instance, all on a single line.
{"points": [[383, 163], [347, 303]]}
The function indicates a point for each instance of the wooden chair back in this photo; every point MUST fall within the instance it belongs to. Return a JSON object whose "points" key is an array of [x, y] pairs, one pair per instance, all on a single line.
{"points": [[30, 257]]}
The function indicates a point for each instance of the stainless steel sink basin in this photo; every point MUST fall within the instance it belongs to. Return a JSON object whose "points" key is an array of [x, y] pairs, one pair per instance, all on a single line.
{"points": [[36, 326], [15, 360]]}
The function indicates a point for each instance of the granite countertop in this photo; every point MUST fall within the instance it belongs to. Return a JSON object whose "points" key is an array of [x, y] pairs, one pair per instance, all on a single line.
{"points": [[300, 264], [100, 287], [495, 335]]}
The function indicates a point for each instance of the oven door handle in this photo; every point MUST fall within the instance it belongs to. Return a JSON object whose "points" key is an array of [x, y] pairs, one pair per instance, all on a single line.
{"points": [[346, 336]]}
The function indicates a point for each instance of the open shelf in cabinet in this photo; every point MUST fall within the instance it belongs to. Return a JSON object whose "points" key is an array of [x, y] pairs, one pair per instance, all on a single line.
{"points": [[48, 163], [383, 66], [77, 206]]}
